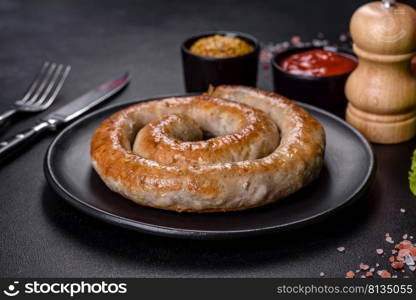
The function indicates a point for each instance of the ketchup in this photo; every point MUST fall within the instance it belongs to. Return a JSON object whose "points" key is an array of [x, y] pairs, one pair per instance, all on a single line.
{"points": [[318, 63]]}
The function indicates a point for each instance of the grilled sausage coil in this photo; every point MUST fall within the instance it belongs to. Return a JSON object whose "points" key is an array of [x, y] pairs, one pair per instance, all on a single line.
{"points": [[233, 149]]}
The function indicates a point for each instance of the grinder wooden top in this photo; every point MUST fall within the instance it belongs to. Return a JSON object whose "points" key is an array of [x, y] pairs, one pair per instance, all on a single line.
{"points": [[379, 30]]}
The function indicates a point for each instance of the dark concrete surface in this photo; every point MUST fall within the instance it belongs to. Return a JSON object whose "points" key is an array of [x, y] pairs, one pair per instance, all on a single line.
{"points": [[41, 235]]}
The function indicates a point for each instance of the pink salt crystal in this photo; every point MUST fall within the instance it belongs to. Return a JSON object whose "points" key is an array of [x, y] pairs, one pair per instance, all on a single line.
{"points": [[384, 274], [265, 66], [397, 265], [405, 244], [295, 39], [342, 37], [403, 253]]}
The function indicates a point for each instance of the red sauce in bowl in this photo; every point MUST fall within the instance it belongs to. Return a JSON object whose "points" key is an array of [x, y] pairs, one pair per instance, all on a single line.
{"points": [[318, 63]]}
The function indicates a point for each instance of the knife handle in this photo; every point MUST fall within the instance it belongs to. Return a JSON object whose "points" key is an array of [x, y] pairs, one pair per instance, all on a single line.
{"points": [[21, 139]]}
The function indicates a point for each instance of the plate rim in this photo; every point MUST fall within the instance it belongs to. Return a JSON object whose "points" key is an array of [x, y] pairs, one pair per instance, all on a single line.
{"points": [[200, 234]]}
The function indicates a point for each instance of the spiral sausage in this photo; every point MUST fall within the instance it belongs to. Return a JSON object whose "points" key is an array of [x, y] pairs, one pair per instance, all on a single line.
{"points": [[264, 147]]}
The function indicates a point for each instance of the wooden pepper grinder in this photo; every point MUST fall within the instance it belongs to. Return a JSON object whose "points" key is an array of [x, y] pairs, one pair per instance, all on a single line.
{"points": [[382, 89]]}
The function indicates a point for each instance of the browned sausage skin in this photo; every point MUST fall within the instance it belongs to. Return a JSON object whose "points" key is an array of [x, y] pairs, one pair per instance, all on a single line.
{"points": [[265, 148]]}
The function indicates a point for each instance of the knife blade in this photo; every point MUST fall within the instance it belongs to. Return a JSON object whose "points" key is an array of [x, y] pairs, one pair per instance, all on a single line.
{"points": [[65, 113], [87, 101]]}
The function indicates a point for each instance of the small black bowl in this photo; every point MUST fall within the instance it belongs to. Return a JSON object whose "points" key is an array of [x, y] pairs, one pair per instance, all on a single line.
{"points": [[325, 92], [201, 71]]}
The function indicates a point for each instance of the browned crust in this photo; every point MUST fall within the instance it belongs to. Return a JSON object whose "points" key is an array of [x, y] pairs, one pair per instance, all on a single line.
{"points": [[301, 158]]}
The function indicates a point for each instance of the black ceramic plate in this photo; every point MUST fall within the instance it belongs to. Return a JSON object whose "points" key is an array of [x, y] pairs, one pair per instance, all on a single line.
{"points": [[348, 170]]}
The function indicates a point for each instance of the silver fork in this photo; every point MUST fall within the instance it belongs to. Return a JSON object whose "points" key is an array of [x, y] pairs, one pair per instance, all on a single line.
{"points": [[42, 92]]}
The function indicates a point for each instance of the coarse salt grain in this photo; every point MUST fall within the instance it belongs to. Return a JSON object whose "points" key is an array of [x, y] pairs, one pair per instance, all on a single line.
{"points": [[379, 251], [402, 253], [322, 274], [295, 39], [350, 274], [364, 267], [397, 265], [341, 249], [389, 240], [384, 274], [405, 244], [402, 210]]}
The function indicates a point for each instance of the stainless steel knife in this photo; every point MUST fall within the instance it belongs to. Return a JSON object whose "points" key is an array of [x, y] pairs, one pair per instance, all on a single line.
{"points": [[65, 114]]}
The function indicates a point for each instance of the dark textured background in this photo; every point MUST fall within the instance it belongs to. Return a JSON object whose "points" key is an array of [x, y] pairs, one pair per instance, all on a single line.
{"points": [[41, 235]]}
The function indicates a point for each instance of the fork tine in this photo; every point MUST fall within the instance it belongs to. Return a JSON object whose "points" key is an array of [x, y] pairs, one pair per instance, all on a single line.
{"points": [[58, 87], [42, 84], [49, 87], [35, 83]]}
